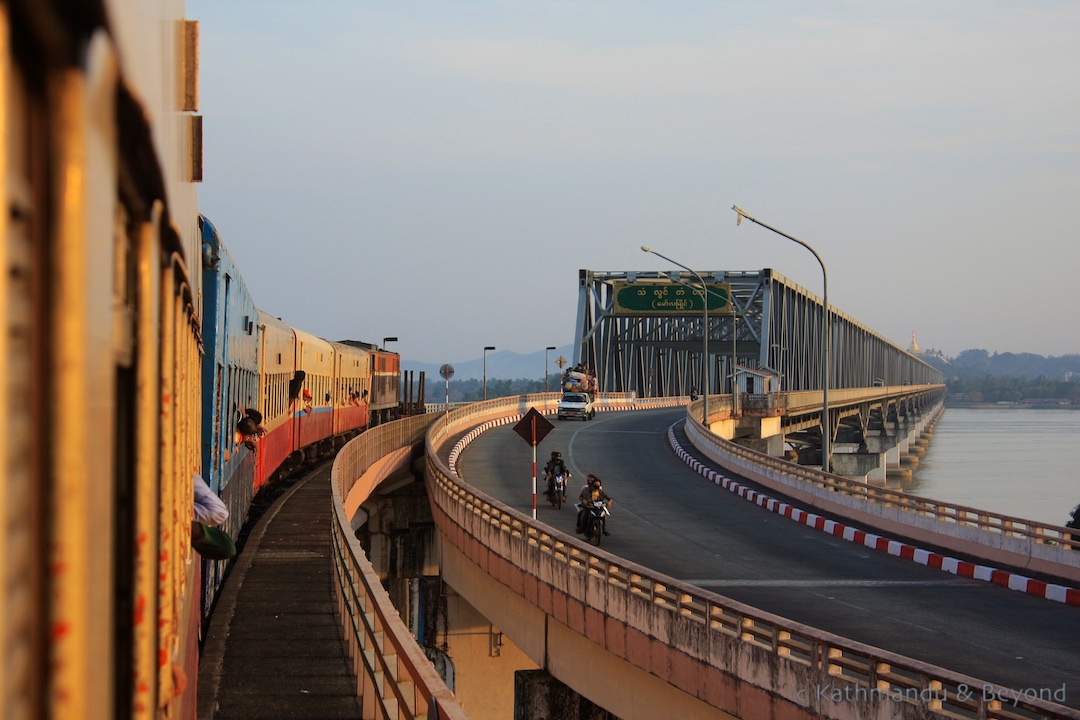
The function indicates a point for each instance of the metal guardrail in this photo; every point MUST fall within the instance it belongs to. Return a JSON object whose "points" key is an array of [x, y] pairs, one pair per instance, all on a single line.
{"points": [[961, 515], [392, 671], [839, 671]]}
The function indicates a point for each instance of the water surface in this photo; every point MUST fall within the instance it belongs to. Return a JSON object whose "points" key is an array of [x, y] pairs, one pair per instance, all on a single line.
{"points": [[1019, 462]]}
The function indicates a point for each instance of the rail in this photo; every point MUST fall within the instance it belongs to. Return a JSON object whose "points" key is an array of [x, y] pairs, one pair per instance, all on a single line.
{"points": [[809, 668], [1052, 543], [392, 671]]}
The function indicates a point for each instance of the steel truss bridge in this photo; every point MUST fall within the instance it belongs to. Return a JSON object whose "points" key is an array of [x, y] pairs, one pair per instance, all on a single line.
{"points": [[762, 323]]}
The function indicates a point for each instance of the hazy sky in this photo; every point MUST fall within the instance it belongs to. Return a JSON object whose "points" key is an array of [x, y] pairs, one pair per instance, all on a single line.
{"points": [[440, 171]]}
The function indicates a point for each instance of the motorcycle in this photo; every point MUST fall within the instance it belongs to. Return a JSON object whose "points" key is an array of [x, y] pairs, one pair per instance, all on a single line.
{"points": [[593, 524], [557, 496]]}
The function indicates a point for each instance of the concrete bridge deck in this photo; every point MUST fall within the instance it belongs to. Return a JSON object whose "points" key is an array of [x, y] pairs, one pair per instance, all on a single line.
{"points": [[668, 518]]}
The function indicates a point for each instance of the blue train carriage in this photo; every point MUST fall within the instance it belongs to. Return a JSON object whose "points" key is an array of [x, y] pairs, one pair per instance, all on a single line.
{"points": [[230, 372]]}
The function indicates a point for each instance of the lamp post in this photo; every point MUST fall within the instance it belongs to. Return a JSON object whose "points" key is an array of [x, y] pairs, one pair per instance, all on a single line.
{"points": [[826, 341], [387, 340], [735, 362], [704, 335], [486, 348], [546, 350]]}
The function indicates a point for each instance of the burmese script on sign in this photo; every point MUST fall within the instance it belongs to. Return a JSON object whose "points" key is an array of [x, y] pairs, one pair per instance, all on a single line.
{"points": [[670, 298]]}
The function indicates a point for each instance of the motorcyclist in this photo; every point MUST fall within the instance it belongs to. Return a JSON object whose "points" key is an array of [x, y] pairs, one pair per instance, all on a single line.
{"points": [[554, 466], [591, 492]]}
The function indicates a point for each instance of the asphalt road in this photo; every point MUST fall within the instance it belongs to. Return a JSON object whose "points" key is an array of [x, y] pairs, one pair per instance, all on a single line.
{"points": [[669, 518]]}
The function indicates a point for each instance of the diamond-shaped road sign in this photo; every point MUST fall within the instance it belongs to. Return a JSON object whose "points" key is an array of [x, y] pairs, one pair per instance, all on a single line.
{"points": [[534, 427]]}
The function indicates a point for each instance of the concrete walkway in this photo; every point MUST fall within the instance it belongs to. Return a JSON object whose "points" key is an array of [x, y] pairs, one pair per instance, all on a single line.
{"points": [[273, 648]]}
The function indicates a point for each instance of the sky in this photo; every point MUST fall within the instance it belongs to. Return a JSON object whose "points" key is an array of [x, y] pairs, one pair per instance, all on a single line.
{"points": [[440, 171]]}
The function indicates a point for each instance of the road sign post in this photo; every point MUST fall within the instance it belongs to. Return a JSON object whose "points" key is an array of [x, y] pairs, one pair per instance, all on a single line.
{"points": [[447, 372], [533, 428]]}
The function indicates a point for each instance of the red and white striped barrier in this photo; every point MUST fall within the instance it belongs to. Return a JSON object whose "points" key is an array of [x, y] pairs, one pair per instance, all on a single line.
{"points": [[1005, 578]]}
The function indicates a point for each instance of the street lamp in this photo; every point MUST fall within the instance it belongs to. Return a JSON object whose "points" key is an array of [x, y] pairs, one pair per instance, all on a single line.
{"points": [[735, 362], [387, 340], [488, 347], [826, 456], [550, 347], [704, 335]]}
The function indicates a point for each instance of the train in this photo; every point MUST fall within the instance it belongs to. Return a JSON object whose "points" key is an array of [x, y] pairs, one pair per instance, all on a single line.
{"points": [[133, 354], [305, 396]]}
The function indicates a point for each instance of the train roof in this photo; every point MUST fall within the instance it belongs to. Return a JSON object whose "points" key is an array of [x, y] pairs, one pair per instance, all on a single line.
{"points": [[365, 346]]}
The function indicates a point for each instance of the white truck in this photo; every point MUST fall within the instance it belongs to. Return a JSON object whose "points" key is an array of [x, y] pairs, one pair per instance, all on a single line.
{"points": [[576, 405]]}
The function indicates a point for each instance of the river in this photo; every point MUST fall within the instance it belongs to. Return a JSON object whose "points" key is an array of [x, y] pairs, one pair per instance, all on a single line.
{"points": [[1019, 462]]}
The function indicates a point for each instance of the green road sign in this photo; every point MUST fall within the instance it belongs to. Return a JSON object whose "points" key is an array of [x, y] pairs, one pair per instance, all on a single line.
{"points": [[669, 298]]}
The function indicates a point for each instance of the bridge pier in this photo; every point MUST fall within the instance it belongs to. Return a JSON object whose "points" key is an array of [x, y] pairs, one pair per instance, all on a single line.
{"points": [[539, 696], [762, 434], [859, 464], [898, 442], [475, 659]]}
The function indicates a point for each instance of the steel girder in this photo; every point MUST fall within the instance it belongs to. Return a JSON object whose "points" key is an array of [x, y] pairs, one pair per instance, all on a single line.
{"points": [[774, 325]]}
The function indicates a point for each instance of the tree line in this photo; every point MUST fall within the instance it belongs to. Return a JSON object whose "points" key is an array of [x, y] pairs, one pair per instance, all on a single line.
{"points": [[975, 376]]}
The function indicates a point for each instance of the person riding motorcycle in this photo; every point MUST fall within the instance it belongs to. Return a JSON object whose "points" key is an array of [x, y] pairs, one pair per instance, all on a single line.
{"points": [[555, 466], [592, 491]]}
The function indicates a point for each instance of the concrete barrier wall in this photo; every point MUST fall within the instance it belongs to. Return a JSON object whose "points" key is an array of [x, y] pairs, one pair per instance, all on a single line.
{"points": [[394, 677], [996, 538]]}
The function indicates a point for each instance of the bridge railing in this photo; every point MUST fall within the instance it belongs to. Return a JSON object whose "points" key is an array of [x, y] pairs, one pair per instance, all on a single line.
{"points": [[1022, 542], [821, 673], [395, 678]]}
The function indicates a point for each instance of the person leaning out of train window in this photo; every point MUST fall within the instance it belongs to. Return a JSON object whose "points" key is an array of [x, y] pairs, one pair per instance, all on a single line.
{"points": [[307, 401], [257, 418], [208, 508], [247, 433]]}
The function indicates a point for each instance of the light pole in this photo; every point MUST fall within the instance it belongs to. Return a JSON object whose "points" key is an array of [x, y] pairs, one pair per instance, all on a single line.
{"points": [[735, 362], [548, 348], [387, 340], [826, 456], [486, 348], [704, 335]]}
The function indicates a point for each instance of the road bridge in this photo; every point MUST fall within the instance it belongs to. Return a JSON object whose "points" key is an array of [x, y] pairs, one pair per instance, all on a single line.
{"points": [[669, 519], [689, 632], [706, 606], [643, 332]]}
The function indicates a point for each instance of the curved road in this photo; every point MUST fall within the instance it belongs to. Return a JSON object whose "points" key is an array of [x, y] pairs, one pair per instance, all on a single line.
{"points": [[669, 518]]}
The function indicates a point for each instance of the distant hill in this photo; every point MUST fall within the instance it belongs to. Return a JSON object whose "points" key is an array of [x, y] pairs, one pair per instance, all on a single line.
{"points": [[971, 364]]}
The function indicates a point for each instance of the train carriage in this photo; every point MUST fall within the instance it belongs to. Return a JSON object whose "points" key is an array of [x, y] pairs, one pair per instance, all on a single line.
{"points": [[99, 298], [386, 386], [384, 399], [129, 356], [230, 386], [279, 388], [352, 389], [312, 411]]}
